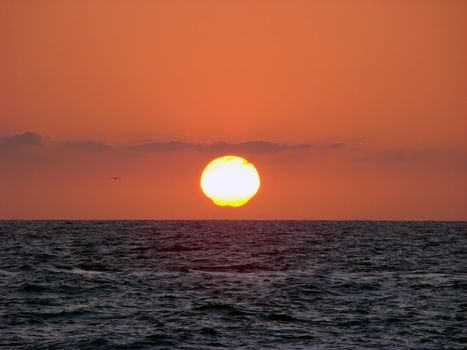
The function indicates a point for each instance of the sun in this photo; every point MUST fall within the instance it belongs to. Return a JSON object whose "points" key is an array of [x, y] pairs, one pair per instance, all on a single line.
{"points": [[230, 180]]}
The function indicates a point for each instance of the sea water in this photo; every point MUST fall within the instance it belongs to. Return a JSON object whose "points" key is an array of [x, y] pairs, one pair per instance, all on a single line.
{"points": [[233, 285]]}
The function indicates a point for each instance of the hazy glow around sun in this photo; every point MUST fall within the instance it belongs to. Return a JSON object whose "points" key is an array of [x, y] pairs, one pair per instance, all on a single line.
{"points": [[230, 180]]}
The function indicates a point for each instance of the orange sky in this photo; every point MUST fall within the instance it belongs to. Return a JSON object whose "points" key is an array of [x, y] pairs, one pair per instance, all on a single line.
{"points": [[373, 91]]}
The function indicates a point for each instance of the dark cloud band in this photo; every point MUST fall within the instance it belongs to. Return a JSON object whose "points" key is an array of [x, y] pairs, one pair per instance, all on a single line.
{"points": [[218, 147]]}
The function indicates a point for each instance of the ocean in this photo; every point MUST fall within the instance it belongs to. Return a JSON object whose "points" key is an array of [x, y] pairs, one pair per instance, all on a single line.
{"points": [[233, 285]]}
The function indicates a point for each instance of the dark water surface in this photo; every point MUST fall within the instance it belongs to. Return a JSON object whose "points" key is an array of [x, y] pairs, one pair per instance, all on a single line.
{"points": [[233, 284]]}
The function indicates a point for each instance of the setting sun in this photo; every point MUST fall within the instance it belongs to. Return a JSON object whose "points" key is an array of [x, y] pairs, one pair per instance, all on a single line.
{"points": [[230, 180]]}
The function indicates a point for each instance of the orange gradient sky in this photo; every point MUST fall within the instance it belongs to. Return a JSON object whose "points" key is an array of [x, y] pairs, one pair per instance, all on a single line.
{"points": [[348, 109]]}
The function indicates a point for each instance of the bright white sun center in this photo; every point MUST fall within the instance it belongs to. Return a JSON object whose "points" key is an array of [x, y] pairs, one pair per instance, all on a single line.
{"points": [[230, 180]]}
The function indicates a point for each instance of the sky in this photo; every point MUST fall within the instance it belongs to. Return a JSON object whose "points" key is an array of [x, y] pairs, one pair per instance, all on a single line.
{"points": [[348, 109]]}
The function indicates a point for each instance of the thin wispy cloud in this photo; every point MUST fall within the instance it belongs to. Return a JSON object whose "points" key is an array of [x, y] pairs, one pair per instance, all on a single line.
{"points": [[333, 146], [406, 155], [170, 146], [257, 147], [85, 145], [21, 140]]}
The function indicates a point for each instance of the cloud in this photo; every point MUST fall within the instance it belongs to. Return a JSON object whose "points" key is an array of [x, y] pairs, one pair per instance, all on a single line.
{"points": [[26, 139], [332, 146], [19, 141], [414, 155], [163, 146], [249, 147], [86, 146], [32, 144], [258, 147]]}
